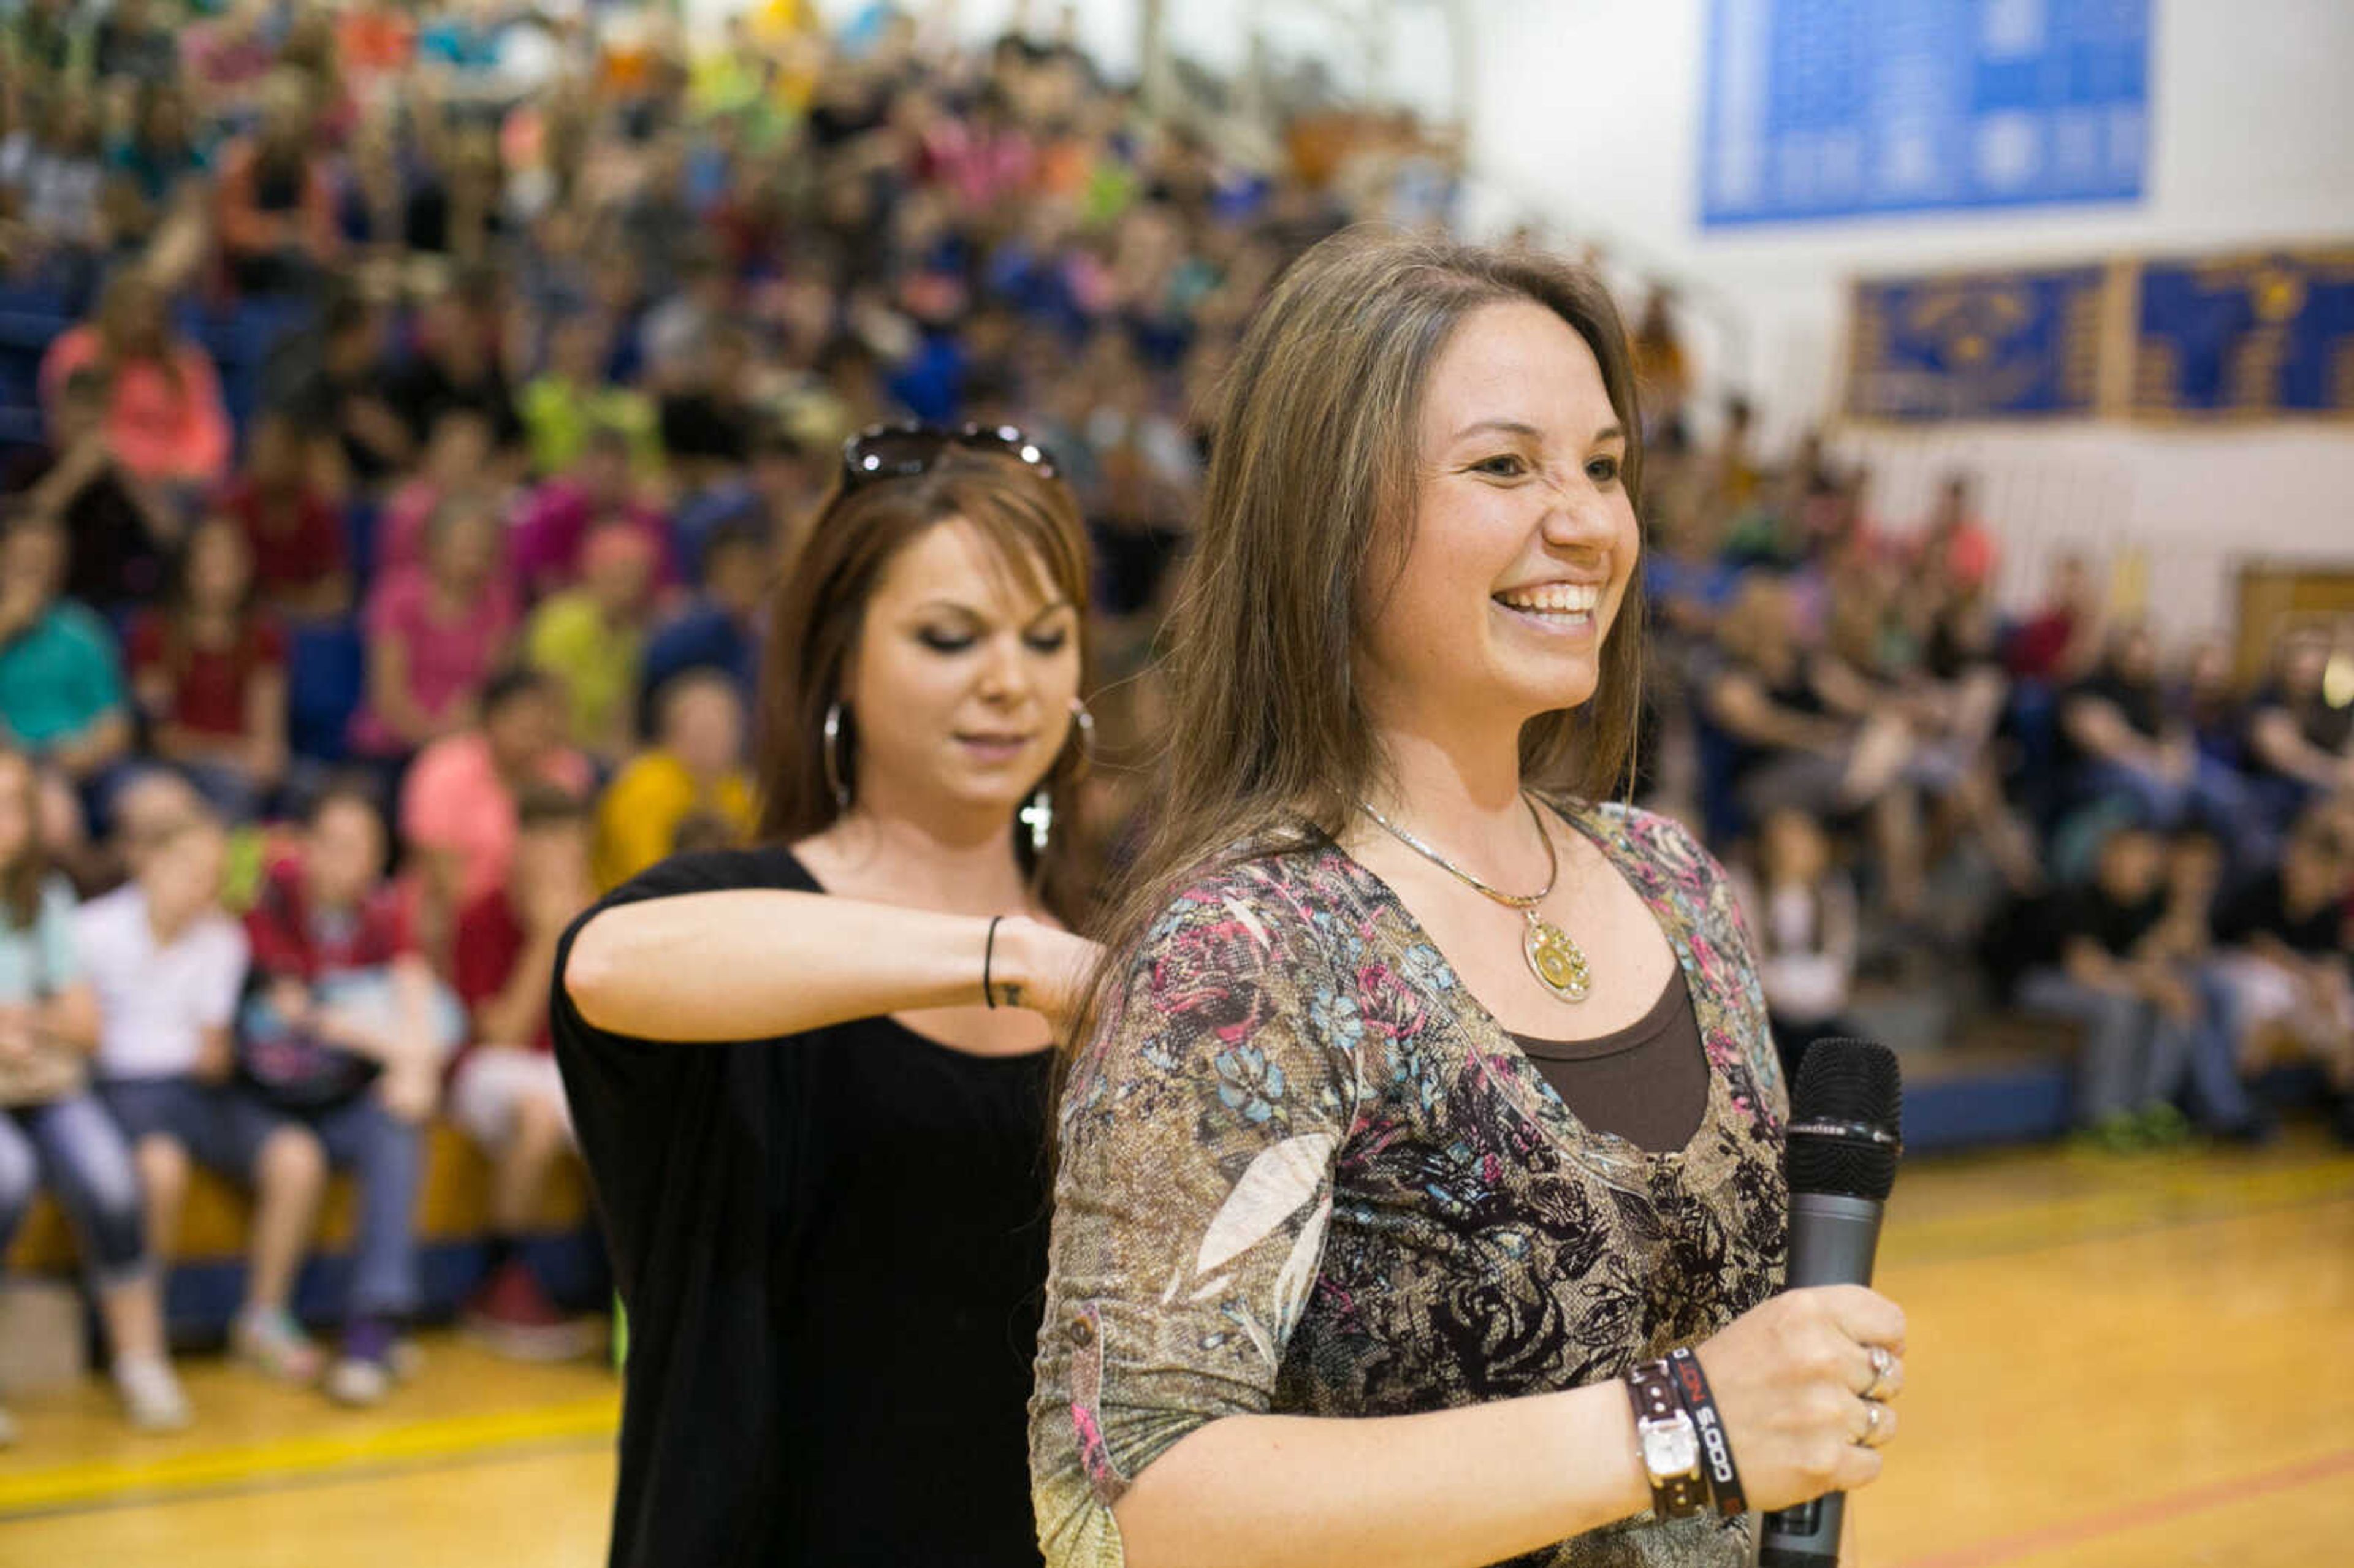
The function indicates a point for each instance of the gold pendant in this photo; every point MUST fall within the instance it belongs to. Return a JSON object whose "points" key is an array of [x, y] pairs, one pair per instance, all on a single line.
{"points": [[1558, 963]]}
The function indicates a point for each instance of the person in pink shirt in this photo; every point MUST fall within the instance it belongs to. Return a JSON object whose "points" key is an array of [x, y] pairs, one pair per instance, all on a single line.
{"points": [[165, 415], [458, 814], [1955, 545], [437, 632], [555, 521], [457, 455]]}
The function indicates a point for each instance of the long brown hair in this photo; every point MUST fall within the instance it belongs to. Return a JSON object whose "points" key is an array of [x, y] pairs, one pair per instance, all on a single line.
{"points": [[21, 877], [1310, 494], [820, 607]]}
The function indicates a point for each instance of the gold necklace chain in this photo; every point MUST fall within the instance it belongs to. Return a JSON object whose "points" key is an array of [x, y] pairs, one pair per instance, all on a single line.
{"points": [[1554, 957], [1510, 900]]}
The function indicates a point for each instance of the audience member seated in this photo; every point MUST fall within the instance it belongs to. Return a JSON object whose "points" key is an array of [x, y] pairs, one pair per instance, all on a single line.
{"points": [[54, 174], [2110, 963], [53, 1128], [167, 964], [709, 417], [2063, 640], [458, 803], [455, 364], [209, 673], [695, 768], [336, 398], [1955, 548], [2300, 747], [573, 397], [1862, 677], [61, 695], [719, 628], [456, 463], [122, 528], [774, 494], [1789, 749], [436, 632], [592, 638], [159, 150], [2285, 963], [554, 523], [505, 1092], [341, 1044], [298, 559], [2127, 743], [275, 203], [165, 417], [1804, 923]]}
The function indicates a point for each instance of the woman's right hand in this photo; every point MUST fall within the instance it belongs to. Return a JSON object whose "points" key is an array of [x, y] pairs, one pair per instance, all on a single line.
{"points": [[1042, 969], [1789, 1376]]}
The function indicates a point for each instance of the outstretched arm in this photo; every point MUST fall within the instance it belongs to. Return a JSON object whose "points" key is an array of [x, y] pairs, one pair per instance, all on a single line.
{"points": [[751, 964]]}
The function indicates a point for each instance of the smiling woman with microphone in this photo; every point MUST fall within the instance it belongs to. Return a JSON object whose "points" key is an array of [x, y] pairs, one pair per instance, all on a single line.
{"points": [[811, 1078], [1420, 1196]]}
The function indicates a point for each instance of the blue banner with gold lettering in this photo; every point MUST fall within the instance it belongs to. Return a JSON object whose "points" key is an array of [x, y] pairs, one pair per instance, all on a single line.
{"points": [[1977, 345], [2246, 335]]}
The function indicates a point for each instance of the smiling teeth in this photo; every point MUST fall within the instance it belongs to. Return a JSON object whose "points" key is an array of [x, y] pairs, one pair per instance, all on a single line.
{"points": [[1557, 599]]}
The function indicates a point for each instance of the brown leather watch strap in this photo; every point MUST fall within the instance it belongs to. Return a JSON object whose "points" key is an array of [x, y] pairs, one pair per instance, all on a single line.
{"points": [[1652, 1386]]}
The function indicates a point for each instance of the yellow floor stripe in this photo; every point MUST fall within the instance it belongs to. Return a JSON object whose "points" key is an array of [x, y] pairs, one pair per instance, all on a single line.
{"points": [[68, 1485]]}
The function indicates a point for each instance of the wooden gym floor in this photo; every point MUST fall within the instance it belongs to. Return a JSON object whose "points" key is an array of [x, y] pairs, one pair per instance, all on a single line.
{"points": [[2116, 1363]]}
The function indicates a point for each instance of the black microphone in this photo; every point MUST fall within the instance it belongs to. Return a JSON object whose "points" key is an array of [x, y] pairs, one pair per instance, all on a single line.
{"points": [[1847, 1124]]}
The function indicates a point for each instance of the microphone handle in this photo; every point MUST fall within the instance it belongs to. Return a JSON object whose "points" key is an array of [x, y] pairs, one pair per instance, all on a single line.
{"points": [[1832, 1240]]}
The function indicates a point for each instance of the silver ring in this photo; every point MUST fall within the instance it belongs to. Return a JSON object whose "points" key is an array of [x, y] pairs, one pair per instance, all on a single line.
{"points": [[1882, 1362], [1871, 1424]]}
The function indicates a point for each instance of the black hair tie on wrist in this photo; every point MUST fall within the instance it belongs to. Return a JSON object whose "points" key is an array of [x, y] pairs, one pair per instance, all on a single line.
{"points": [[988, 956], [1715, 1447]]}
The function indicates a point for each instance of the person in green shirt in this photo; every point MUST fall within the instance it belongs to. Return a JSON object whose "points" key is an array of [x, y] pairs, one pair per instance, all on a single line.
{"points": [[592, 636], [572, 397]]}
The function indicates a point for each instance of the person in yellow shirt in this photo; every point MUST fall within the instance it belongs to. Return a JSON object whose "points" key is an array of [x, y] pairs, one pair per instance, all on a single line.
{"points": [[593, 636], [695, 769]]}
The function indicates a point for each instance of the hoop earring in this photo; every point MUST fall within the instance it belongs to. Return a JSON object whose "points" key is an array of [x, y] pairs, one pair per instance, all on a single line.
{"points": [[832, 760]]}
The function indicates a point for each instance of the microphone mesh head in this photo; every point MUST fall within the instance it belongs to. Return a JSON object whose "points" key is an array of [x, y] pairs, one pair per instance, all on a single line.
{"points": [[1854, 1081]]}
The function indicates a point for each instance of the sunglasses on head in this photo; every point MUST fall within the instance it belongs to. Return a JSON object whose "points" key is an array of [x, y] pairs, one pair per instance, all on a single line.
{"points": [[903, 452]]}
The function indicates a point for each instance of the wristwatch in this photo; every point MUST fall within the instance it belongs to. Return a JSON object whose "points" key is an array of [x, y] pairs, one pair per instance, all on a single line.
{"points": [[1670, 1442]]}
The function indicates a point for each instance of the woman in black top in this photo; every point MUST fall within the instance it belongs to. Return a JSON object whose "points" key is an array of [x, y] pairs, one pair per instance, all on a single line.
{"points": [[2300, 746], [818, 1146], [2125, 744]]}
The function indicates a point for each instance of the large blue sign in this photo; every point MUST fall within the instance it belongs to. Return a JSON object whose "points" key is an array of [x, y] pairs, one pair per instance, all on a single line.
{"points": [[1820, 109]]}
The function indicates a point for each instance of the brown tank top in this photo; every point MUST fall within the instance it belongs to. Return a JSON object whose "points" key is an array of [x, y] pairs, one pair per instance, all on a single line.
{"points": [[1647, 1082]]}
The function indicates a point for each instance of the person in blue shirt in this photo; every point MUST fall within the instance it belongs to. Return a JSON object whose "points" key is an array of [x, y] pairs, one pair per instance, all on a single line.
{"points": [[719, 629]]}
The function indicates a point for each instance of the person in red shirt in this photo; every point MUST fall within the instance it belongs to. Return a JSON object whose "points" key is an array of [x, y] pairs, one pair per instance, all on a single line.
{"points": [[209, 672], [2063, 639], [297, 537], [505, 1092]]}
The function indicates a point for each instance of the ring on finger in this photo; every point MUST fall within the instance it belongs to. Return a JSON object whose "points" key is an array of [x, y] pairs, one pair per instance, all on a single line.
{"points": [[1872, 1417], [1883, 1363]]}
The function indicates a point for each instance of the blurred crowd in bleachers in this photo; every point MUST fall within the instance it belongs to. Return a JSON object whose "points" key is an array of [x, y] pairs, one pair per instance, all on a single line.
{"points": [[406, 408]]}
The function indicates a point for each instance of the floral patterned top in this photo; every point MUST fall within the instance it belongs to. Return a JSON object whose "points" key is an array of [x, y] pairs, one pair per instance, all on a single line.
{"points": [[1304, 1171]]}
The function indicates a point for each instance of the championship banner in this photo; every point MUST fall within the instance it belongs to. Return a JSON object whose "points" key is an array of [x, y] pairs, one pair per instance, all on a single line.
{"points": [[2247, 335], [1977, 345]]}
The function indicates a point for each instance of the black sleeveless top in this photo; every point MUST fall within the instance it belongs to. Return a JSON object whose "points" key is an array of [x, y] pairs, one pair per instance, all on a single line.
{"points": [[833, 1249]]}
